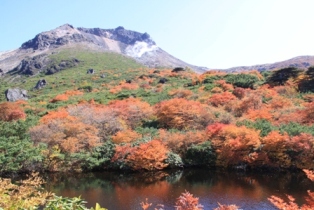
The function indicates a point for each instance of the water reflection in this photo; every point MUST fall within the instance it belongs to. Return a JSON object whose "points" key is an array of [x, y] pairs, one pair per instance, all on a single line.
{"points": [[123, 191]]}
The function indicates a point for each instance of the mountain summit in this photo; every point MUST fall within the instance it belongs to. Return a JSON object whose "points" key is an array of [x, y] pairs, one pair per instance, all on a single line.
{"points": [[33, 55]]}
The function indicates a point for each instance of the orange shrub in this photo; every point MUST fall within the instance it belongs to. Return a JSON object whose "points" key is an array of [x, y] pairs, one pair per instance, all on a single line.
{"points": [[252, 101], [180, 142], [124, 86], [302, 147], [182, 114], [239, 92], [187, 201], [180, 93], [234, 145], [308, 113], [259, 114], [132, 110], [149, 156], [126, 136], [73, 93], [61, 97], [275, 146], [220, 99], [225, 86], [68, 132], [10, 111]]}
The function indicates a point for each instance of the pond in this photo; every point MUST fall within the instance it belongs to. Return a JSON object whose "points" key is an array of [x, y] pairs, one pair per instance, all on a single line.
{"points": [[125, 191]]}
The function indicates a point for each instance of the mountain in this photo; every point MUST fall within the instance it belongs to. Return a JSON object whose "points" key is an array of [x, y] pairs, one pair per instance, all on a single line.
{"points": [[301, 62], [34, 55]]}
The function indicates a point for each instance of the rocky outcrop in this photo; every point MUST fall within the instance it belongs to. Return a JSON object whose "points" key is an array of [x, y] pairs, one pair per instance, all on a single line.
{"points": [[64, 64], [16, 94], [31, 66], [40, 84], [55, 38], [120, 34]]}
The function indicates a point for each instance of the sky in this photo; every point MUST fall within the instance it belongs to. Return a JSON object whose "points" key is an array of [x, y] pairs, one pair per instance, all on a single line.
{"points": [[209, 33]]}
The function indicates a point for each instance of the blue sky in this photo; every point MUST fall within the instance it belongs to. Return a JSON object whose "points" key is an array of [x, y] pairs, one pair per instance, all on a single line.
{"points": [[211, 33]]}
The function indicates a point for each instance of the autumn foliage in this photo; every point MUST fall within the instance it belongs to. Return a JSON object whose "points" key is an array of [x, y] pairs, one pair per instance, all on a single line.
{"points": [[71, 135], [149, 156], [182, 114], [234, 145], [10, 111]]}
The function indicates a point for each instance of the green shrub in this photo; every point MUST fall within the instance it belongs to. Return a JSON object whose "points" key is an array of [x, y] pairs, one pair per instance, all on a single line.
{"points": [[264, 126], [200, 155], [174, 160], [294, 129], [17, 151], [242, 80]]}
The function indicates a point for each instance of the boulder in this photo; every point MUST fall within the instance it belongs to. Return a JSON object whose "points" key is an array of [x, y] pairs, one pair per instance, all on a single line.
{"points": [[40, 84], [90, 71], [15, 94], [163, 80], [177, 69]]}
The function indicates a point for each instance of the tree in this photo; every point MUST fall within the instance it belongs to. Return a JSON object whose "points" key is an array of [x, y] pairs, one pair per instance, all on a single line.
{"points": [[281, 76]]}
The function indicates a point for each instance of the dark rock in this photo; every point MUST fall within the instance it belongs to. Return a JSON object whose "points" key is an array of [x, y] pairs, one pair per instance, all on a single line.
{"points": [[178, 69], [16, 94], [31, 66], [90, 71], [1, 72], [128, 81], [40, 84], [163, 80], [64, 64], [156, 72]]}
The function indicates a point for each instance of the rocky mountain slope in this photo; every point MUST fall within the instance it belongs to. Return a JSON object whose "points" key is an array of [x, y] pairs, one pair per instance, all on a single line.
{"points": [[34, 55], [302, 62]]}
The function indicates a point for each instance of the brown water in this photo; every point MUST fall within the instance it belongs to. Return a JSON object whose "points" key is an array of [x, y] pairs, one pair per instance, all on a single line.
{"points": [[125, 191]]}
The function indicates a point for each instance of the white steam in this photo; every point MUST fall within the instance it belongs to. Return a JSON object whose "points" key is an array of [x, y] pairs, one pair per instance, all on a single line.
{"points": [[139, 48]]}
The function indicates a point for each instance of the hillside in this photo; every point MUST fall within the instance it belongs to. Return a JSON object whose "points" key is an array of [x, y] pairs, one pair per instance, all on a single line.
{"points": [[302, 62]]}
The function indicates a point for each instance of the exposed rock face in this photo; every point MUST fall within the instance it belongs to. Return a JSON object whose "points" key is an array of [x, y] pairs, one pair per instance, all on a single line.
{"points": [[64, 64], [60, 36], [31, 66], [16, 94], [40, 84]]}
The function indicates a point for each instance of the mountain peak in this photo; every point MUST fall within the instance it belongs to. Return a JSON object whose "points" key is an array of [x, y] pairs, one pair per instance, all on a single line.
{"points": [[65, 27], [139, 46]]}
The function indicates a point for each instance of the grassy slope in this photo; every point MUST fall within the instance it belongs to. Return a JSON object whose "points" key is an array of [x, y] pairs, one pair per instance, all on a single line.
{"points": [[112, 65]]}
